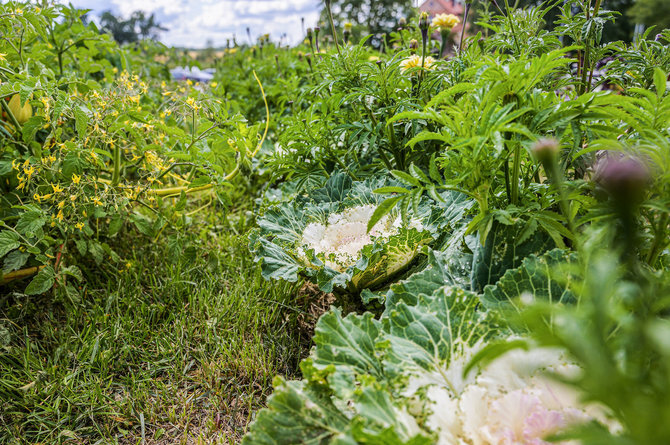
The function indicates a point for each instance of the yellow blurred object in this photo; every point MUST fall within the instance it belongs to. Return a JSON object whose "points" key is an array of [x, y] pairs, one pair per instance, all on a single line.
{"points": [[22, 114]]}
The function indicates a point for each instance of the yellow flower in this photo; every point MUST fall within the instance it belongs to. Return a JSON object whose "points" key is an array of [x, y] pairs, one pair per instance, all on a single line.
{"points": [[2, 56], [76, 179], [57, 188], [29, 171], [213, 84], [414, 61], [96, 201], [59, 217], [61, 204], [190, 102], [79, 226], [445, 21]]}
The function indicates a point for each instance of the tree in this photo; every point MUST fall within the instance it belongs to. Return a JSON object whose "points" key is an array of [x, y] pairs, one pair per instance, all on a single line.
{"points": [[137, 27], [376, 17], [651, 13]]}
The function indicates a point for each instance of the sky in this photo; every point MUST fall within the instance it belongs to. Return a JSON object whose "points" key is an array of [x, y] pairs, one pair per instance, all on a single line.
{"points": [[192, 23]]}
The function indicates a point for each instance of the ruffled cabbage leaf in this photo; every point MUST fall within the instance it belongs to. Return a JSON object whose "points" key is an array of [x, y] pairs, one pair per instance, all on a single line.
{"points": [[545, 277]]}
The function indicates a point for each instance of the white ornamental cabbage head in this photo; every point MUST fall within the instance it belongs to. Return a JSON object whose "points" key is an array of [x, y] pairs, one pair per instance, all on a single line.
{"points": [[509, 402], [345, 234]]}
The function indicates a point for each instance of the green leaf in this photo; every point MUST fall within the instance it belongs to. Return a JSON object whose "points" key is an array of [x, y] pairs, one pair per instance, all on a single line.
{"points": [[143, 224], [8, 242], [382, 209], [418, 174], [82, 247], [71, 164], [115, 225], [660, 81], [31, 222], [96, 250], [405, 178], [14, 261], [81, 121], [545, 277], [72, 271], [42, 282], [391, 189], [298, 412], [502, 251], [30, 128]]}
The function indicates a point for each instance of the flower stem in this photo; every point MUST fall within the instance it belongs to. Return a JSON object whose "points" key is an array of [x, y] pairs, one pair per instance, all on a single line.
{"points": [[465, 22], [116, 174], [332, 26]]}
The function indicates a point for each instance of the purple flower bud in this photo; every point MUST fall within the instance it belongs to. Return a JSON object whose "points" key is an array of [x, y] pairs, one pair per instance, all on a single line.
{"points": [[625, 178]]}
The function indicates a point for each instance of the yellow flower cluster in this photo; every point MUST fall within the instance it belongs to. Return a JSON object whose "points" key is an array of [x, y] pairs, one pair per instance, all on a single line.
{"points": [[26, 172]]}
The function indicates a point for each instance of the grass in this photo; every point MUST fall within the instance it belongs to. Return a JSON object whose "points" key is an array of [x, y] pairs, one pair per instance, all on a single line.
{"points": [[179, 347]]}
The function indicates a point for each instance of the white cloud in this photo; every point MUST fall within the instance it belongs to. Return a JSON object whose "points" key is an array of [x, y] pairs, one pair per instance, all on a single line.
{"points": [[127, 7], [193, 23]]}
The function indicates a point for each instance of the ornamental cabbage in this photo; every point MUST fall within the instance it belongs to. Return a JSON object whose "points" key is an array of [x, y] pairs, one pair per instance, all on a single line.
{"points": [[409, 377], [323, 235]]}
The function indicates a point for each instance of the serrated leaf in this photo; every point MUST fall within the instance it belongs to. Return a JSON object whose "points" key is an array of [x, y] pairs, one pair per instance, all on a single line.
{"points": [[80, 121], [72, 271], [96, 251], [14, 261], [42, 282], [8, 242], [30, 128], [30, 222]]}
